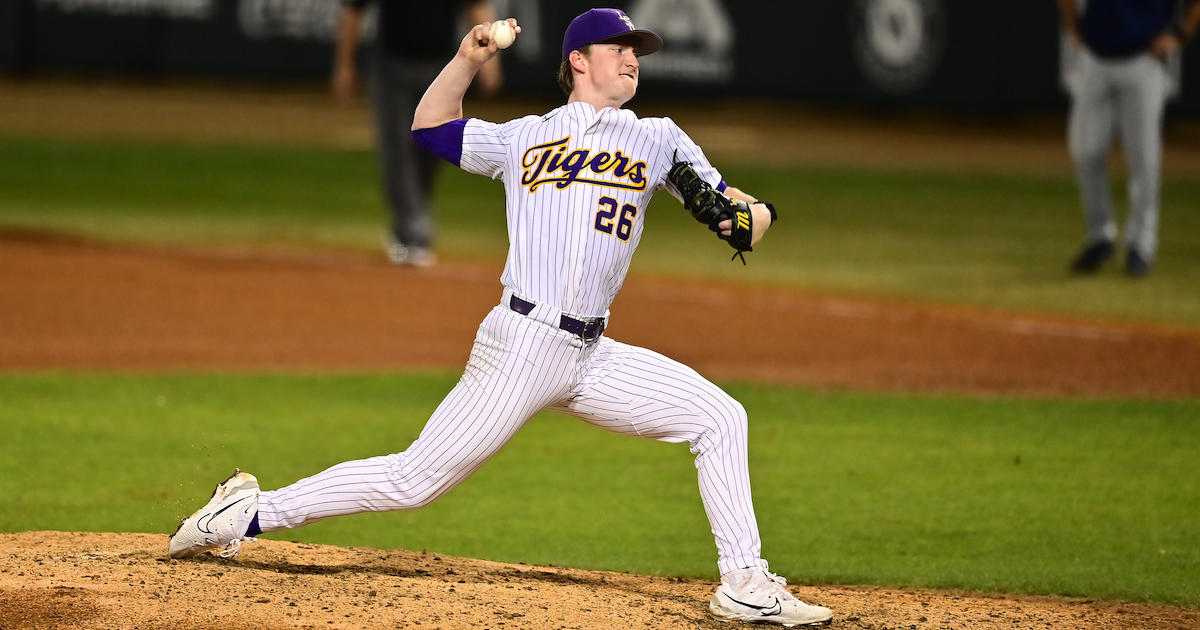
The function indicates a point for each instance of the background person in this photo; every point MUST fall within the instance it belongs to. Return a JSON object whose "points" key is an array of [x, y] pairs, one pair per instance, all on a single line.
{"points": [[1119, 86], [402, 63]]}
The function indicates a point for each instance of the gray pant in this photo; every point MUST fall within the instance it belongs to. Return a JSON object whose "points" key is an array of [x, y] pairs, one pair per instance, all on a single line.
{"points": [[407, 172], [1122, 98]]}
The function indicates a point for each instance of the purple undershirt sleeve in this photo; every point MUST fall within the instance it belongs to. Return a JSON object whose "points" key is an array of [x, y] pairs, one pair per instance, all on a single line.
{"points": [[722, 186], [444, 141]]}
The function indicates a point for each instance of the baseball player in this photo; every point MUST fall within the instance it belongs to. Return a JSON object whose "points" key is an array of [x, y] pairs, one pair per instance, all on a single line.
{"points": [[1119, 84], [403, 61], [577, 181]]}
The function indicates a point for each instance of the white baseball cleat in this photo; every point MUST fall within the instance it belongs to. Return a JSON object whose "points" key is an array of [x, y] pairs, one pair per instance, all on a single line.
{"points": [[759, 596], [222, 524], [411, 256]]}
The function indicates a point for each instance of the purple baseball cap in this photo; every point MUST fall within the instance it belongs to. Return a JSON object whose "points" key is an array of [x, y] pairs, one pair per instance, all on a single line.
{"points": [[599, 25]]}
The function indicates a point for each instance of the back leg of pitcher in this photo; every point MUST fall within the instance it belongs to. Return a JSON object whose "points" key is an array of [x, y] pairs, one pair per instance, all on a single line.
{"points": [[634, 391]]}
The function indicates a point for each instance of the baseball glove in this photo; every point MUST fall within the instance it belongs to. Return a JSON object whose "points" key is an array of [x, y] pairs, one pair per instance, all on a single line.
{"points": [[711, 208]]}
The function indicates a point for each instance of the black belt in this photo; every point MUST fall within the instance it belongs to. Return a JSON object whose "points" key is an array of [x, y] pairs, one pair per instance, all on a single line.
{"points": [[589, 330]]}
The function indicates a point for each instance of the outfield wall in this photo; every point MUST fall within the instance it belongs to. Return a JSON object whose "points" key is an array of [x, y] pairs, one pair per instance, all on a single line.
{"points": [[962, 56]]}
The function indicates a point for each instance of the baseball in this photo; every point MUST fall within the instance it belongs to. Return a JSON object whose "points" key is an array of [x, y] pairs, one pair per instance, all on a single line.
{"points": [[502, 33]]}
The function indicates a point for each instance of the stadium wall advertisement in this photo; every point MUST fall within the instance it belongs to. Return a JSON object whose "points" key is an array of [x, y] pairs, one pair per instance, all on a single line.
{"points": [[963, 56]]}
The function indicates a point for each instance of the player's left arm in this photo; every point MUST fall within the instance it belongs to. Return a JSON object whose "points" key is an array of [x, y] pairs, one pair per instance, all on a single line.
{"points": [[1174, 38], [690, 175], [763, 217]]}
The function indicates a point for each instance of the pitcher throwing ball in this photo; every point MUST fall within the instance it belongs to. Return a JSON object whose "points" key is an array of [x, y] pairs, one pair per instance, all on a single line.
{"points": [[577, 182]]}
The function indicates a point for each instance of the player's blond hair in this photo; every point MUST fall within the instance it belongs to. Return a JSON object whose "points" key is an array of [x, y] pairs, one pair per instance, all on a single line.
{"points": [[566, 75]]}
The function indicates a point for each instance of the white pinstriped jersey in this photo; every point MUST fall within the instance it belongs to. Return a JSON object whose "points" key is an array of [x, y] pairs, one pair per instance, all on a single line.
{"points": [[577, 184]]}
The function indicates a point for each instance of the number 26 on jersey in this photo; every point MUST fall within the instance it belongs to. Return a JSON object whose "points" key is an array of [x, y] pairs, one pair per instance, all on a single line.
{"points": [[607, 219]]}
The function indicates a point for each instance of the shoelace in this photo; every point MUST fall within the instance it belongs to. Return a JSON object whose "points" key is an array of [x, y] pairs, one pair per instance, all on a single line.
{"points": [[777, 585], [778, 579], [231, 550]]}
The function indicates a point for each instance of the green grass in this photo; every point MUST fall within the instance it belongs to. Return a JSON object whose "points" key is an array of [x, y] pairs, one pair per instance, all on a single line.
{"points": [[223, 196], [1090, 498], [990, 240], [1084, 498]]}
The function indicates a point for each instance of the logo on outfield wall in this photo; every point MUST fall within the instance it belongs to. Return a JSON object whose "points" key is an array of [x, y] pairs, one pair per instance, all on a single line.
{"points": [[174, 9], [698, 39], [293, 19], [897, 43]]}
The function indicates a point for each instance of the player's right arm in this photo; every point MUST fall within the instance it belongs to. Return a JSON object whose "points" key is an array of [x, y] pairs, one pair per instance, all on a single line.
{"points": [[1070, 20], [344, 81], [442, 102], [490, 76]]}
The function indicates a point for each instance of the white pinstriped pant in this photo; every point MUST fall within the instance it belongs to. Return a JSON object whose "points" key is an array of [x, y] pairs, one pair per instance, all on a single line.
{"points": [[518, 367]]}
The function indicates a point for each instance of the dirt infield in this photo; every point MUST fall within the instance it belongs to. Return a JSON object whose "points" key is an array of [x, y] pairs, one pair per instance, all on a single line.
{"points": [[51, 580], [79, 305]]}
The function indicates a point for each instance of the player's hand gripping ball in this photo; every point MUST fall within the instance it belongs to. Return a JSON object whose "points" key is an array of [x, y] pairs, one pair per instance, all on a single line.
{"points": [[502, 33]]}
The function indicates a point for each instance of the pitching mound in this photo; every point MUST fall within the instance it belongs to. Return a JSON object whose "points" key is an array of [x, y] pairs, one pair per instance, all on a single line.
{"points": [[125, 581]]}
